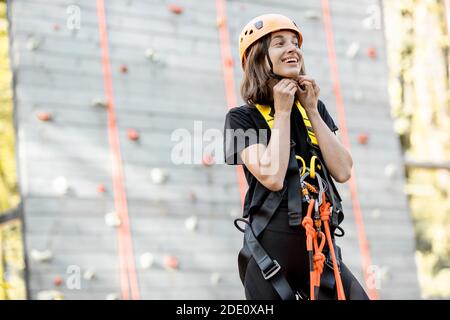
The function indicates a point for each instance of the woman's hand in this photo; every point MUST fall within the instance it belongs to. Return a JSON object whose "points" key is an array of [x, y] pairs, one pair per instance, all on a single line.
{"points": [[308, 92], [284, 94]]}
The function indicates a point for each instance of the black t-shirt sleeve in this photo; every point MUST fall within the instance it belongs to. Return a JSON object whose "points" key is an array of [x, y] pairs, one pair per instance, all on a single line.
{"points": [[240, 131], [326, 117]]}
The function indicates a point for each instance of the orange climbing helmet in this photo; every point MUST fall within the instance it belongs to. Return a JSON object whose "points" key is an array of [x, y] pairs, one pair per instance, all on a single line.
{"points": [[262, 25]]}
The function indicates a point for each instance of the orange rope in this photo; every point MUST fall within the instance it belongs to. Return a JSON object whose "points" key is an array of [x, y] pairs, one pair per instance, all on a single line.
{"points": [[128, 276], [325, 217], [362, 238]]}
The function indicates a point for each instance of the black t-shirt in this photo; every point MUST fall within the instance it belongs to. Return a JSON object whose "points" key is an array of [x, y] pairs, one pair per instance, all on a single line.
{"points": [[254, 129]]}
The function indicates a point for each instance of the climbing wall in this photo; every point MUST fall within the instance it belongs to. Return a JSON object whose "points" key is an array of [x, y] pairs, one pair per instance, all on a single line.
{"points": [[103, 90]]}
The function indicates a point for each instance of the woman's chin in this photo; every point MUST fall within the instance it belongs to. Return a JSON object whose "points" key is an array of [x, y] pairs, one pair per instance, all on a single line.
{"points": [[292, 73]]}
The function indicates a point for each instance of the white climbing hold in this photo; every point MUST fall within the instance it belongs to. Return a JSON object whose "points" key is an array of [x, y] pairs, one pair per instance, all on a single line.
{"points": [[390, 170], [216, 277], [158, 175], [112, 219], [50, 295], [146, 259], [151, 55], [61, 185], [112, 296], [191, 223], [100, 103], [41, 256], [312, 14], [89, 274], [376, 213], [33, 44], [353, 50]]}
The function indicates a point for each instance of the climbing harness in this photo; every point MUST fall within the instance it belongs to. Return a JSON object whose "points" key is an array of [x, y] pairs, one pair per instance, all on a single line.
{"points": [[319, 227]]}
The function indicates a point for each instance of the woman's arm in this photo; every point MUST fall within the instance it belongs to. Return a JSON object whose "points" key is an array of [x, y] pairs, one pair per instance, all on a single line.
{"points": [[269, 164], [270, 168], [337, 159]]}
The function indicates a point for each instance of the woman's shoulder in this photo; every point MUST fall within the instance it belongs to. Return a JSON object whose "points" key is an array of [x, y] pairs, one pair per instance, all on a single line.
{"points": [[242, 110]]}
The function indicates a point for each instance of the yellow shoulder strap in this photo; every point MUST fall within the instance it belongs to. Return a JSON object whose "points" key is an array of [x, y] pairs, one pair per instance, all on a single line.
{"points": [[265, 112], [308, 125]]}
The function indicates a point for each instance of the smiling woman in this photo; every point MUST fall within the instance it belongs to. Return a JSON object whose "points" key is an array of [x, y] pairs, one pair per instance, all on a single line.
{"points": [[289, 252]]}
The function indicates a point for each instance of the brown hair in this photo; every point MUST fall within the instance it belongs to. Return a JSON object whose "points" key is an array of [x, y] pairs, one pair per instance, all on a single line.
{"points": [[257, 83]]}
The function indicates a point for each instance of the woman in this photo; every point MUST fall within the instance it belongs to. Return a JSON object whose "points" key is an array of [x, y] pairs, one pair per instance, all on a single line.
{"points": [[276, 136]]}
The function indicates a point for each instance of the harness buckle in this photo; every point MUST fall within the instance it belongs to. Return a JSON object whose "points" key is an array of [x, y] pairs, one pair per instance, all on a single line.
{"points": [[273, 270], [295, 219]]}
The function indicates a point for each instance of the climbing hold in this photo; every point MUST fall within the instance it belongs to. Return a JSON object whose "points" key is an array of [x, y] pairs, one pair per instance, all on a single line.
{"points": [[362, 138], [112, 296], [61, 185], [220, 21], [147, 259], [123, 68], [158, 175], [151, 55], [41, 256], [312, 14], [33, 44], [89, 274], [58, 281], [191, 223], [390, 170], [229, 62], [50, 295], [208, 160], [112, 219], [192, 196], [98, 102], [56, 27], [371, 52], [215, 278], [352, 50], [376, 213], [101, 188], [170, 262], [133, 134], [176, 9], [44, 116], [373, 19]]}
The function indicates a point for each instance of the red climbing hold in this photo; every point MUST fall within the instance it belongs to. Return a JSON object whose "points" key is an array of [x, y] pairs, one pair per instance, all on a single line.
{"points": [[123, 68], [132, 134], [229, 62], [372, 52], [44, 116], [58, 281], [362, 138], [171, 262], [101, 188], [176, 9], [192, 196], [208, 160], [56, 27]]}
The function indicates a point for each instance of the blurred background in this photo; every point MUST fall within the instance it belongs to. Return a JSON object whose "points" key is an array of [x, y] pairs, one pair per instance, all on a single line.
{"points": [[95, 96]]}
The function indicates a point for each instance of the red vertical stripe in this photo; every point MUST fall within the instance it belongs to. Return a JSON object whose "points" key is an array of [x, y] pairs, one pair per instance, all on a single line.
{"points": [[362, 238], [128, 278], [228, 77]]}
